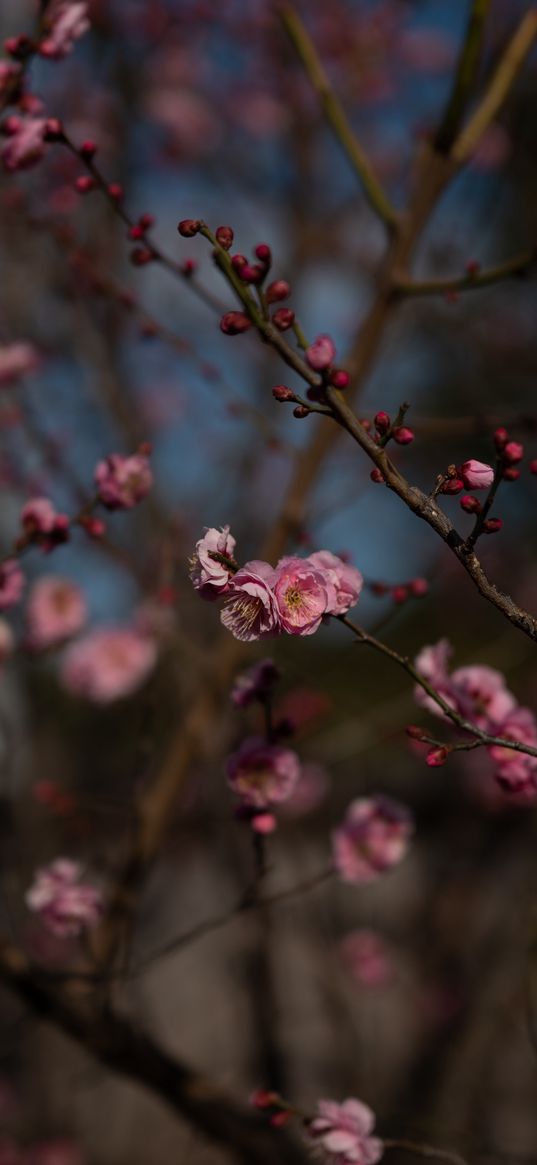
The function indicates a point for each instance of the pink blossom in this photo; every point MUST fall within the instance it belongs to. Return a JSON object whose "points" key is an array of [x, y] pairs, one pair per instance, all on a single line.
{"points": [[209, 576], [255, 684], [16, 360], [346, 579], [367, 958], [478, 692], [12, 582], [122, 482], [476, 474], [67, 905], [26, 144], [344, 1132], [56, 610], [516, 772], [66, 22], [304, 594], [262, 774], [108, 663], [250, 610], [321, 354], [373, 837]]}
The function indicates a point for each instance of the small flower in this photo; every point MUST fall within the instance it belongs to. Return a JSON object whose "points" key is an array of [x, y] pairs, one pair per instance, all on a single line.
{"points": [[250, 610], [12, 582], [67, 905], [210, 576], [476, 474], [321, 354], [344, 1132], [373, 837], [65, 22], [56, 610], [304, 594], [345, 579], [255, 684], [108, 663], [26, 144], [262, 774], [16, 360], [122, 482]]}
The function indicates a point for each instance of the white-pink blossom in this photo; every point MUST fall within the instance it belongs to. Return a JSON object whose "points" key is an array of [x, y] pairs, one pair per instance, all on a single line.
{"points": [[56, 610], [209, 574], [66, 904], [108, 663], [26, 143], [250, 609], [345, 579], [373, 837], [262, 774], [304, 593], [344, 1132]]}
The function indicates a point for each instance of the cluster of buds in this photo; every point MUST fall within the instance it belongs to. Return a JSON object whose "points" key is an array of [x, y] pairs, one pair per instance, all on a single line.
{"points": [[417, 588], [277, 1109], [385, 430], [509, 453], [141, 254]]}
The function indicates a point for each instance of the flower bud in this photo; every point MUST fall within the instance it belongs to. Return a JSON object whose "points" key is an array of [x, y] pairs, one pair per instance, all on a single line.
{"points": [[281, 392], [238, 262], [320, 354], [252, 273], [513, 452], [436, 757], [115, 191], [300, 412], [189, 267], [500, 438], [264, 254], [140, 256], [476, 474], [492, 525], [279, 289], [234, 322], [533, 466], [88, 150], [224, 236], [414, 731], [261, 1098], [377, 476], [382, 422], [263, 823], [399, 594], [452, 486], [279, 1119], [146, 221], [402, 435], [339, 378], [84, 183], [472, 268], [283, 318], [510, 473], [53, 131], [470, 505], [188, 227], [418, 587]]}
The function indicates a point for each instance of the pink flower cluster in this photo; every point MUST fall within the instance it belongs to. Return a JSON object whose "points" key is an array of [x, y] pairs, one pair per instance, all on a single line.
{"points": [[66, 21], [373, 837], [343, 1131], [122, 482], [108, 663], [56, 610], [262, 775], [479, 693], [67, 905], [261, 600]]}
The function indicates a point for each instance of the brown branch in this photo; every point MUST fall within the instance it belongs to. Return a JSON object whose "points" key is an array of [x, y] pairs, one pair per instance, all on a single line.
{"points": [[464, 78]]}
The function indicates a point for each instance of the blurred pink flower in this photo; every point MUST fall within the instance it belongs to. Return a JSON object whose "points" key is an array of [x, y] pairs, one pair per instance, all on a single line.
{"points": [[304, 593], [56, 610], [254, 684], [250, 610], [66, 905], [65, 22], [373, 837], [16, 360], [108, 663], [262, 774], [12, 583], [209, 576], [345, 579], [344, 1130], [516, 772], [26, 144], [367, 958], [122, 482]]}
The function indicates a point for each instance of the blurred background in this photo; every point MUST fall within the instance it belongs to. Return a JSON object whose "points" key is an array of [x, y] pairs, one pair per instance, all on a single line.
{"points": [[414, 993]]}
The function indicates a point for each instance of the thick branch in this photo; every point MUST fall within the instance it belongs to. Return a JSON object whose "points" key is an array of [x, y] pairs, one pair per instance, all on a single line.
{"points": [[465, 74]]}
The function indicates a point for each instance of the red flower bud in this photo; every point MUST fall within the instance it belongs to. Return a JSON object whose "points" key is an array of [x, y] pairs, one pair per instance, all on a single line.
{"points": [[281, 392], [264, 1099], [500, 438], [188, 227], [238, 262], [377, 476], [382, 422], [264, 254], [470, 504], [511, 473], [146, 221], [283, 318], [533, 466], [189, 267], [402, 435], [234, 322], [492, 525], [135, 232], [88, 150], [452, 486], [224, 236], [436, 757], [252, 273], [94, 527], [53, 130], [418, 587], [19, 47], [300, 412], [279, 289], [513, 452], [280, 1119], [399, 594], [339, 378], [115, 191], [140, 256], [414, 731], [84, 184]]}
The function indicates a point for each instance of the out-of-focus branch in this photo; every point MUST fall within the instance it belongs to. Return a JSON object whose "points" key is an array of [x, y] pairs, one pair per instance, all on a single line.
{"points": [[464, 78], [516, 267], [336, 116]]}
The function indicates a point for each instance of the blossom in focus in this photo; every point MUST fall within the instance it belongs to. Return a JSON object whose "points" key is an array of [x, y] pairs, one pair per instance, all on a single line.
{"points": [[210, 576], [373, 837], [122, 482], [56, 610], [17, 360], [262, 774], [65, 22], [321, 354], [67, 905], [367, 958], [476, 474], [12, 583], [254, 684], [344, 1131], [26, 143], [304, 594], [250, 609], [108, 663], [345, 579]]}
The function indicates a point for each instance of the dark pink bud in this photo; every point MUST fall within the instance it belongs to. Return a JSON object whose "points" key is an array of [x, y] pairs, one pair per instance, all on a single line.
{"points": [[492, 525], [140, 256], [280, 1119], [473, 268], [264, 254], [300, 412], [379, 589], [94, 527], [533, 466], [500, 438], [376, 476], [252, 273], [452, 486], [513, 452], [511, 473], [470, 505], [264, 823], [365, 424], [320, 354], [135, 232], [189, 267], [339, 378], [418, 587], [88, 150], [279, 289], [115, 191], [146, 221], [53, 130], [188, 227], [399, 594], [19, 47], [224, 236], [84, 183], [282, 393], [238, 262], [264, 1099], [10, 126], [403, 436], [414, 731], [283, 318], [436, 757], [234, 322], [382, 422]]}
